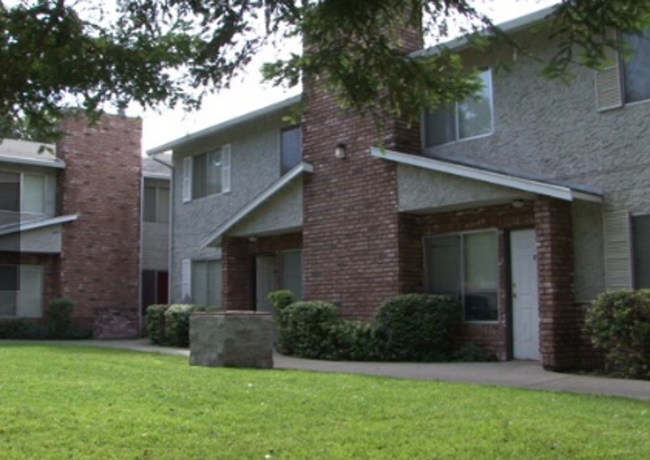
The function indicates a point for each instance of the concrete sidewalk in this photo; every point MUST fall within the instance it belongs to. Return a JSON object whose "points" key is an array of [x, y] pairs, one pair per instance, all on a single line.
{"points": [[521, 374]]}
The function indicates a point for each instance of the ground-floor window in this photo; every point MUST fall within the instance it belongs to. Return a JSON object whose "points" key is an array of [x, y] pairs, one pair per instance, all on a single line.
{"points": [[21, 292], [206, 282], [154, 288], [641, 241], [465, 266], [291, 272]]}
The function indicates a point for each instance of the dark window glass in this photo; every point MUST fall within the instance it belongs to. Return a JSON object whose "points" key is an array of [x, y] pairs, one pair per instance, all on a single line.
{"points": [[637, 68], [291, 148], [206, 174], [641, 234], [150, 204], [9, 191]]}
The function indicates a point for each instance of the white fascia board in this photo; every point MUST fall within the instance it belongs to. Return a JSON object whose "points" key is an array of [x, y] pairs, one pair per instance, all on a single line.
{"points": [[36, 224], [267, 193], [511, 26], [504, 180], [53, 163], [212, 130]]}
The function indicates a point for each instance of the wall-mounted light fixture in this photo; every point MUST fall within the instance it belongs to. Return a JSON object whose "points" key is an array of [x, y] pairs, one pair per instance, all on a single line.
{"points": [[340, 150], [518, 203]]}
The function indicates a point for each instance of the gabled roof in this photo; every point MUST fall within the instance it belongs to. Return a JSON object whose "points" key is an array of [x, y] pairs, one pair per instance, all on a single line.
{"points": [[215, 129], [265, 195], [514, 25], [36, 224], [537, 185]]}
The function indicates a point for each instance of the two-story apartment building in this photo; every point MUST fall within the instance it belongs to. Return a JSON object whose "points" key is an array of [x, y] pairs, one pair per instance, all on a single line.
{"points": [[525, 202], [70, 225]]}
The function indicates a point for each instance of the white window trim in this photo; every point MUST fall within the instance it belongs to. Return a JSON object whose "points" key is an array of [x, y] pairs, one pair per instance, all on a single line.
{"points": [[457, 139], [462, 270]]}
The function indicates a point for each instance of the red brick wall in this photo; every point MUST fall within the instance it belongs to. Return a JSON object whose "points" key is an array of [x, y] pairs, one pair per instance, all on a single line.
{"points": [[99, 265], [559, 316], [351, 226]]}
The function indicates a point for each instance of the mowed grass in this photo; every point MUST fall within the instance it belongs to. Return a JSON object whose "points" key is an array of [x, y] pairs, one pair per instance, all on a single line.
{"points": [[61, 402]]}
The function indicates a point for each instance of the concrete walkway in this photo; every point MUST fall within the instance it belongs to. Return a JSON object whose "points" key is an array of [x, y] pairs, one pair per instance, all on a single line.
{"points": [[521, 374]]}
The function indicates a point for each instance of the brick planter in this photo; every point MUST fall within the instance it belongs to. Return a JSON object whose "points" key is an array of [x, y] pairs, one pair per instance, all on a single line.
{"points": [[232, 339]]}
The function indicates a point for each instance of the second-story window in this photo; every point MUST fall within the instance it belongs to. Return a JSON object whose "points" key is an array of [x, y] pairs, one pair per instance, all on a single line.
{"points": [[463, 120], [290, 148], [206, 174], [636, 70], [156, 205], [22, 192]]}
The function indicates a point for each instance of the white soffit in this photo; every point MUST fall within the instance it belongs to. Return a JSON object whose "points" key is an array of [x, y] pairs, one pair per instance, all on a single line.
{"points": [[505, 180]]}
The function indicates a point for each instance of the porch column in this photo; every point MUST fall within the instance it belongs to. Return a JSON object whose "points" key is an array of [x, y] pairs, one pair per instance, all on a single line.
{"points": [[237, 274], [558, 315]]}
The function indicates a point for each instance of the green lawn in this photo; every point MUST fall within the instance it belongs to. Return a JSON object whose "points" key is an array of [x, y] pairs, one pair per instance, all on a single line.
{"points": [[82, 403]]}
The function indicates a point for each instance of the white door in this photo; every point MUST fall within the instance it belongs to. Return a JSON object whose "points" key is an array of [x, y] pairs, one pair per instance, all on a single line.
{"points": [[264, 282], [525, 305]]}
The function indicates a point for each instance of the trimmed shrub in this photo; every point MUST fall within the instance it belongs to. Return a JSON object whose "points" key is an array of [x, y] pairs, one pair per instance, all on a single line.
{"points": [[307, 329], [280, 301], [156, 323], [22, 329], [353, 341], [619, 324], [177, 323], [418, 327], [59, 322]]}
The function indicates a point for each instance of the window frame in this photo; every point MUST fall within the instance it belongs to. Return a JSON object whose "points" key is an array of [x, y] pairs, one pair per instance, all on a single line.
{"points": [[462, 272], [193, 281], [195, 160], [283, 168], [455, 109], [17, 299], [622, 63], [21, 181], [156, 205]]}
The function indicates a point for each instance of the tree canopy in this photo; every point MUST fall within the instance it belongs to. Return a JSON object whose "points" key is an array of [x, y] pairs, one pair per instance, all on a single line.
{"points": [[56, 54]]}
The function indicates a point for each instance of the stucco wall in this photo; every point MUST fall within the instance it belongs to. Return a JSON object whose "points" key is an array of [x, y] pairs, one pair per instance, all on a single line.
{"points": [[255, 164], [421, 190], [281, 213], [554, 129]]}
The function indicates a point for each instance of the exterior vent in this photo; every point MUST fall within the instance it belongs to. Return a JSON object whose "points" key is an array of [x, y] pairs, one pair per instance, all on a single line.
{"points": [[618, 263]]}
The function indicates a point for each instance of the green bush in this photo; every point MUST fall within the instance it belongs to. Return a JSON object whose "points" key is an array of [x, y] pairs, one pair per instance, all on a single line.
{"points": [[619, 324], [280, 301], [156, 323], [472, 353], [307, 328], [417, 327], [59, 321], [22, 329], [177, 323], [353, 341]]}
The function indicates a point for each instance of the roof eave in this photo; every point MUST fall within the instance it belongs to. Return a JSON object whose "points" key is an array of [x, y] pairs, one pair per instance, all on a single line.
{"points": [[501, 179], [218, 128], [54, 163], [214, 239]]}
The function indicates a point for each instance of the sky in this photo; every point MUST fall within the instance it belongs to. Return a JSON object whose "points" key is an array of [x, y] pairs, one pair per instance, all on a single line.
{"points": [[248, 93]]}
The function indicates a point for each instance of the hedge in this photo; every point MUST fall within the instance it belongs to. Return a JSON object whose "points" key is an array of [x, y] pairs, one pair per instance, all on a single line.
{"points": [[170, 324]]}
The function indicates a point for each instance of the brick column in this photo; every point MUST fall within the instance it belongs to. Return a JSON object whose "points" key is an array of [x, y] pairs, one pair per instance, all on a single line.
{"points": [[100, 257], [559, 334], [237, 274]]}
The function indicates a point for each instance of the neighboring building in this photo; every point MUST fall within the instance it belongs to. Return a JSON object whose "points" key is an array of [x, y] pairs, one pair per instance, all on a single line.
{"points": [[525, 203], [155, 231], [70, 225]]}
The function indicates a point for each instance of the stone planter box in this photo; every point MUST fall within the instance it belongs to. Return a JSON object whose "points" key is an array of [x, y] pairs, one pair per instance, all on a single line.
{"points": [[232, 339]]}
